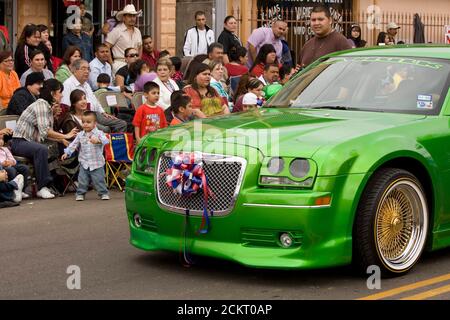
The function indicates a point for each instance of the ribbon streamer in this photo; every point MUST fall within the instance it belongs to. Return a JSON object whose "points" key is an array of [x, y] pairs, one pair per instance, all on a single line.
{"points": [[187, 177]]}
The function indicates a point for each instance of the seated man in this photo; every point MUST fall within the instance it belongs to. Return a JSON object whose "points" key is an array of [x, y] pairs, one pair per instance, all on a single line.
{"points": [[271, 74], [79, 80]]}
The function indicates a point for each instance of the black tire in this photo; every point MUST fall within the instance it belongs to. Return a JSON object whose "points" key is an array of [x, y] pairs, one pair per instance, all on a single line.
{"points": [[392, 216]]}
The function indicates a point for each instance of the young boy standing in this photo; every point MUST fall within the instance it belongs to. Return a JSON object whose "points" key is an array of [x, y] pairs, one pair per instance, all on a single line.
{"points": [[149, 117], [89, 143]]}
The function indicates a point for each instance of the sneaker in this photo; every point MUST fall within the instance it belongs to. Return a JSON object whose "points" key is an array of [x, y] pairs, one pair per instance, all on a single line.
{"points": [[25, 195], [44, 193], [105, 197], [54, 190], [79, 197], [8, 204], [18, 193]]}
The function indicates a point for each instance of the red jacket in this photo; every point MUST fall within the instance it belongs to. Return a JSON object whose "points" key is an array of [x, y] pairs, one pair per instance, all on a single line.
{"points": [[151, 60]]}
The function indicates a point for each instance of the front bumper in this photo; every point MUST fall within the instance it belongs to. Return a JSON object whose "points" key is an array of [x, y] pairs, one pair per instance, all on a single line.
{"points": [[249, 235]]}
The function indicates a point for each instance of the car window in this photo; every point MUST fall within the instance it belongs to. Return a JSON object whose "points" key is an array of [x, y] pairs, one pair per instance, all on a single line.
{"points": [[384, 84]]}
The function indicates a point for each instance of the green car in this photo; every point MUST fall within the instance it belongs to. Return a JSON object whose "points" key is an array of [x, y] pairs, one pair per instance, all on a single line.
{"points": [[349, 162]]}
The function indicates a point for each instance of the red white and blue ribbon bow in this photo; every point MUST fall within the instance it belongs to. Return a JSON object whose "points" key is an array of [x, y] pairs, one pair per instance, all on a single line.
{"points": [[187, 177]]}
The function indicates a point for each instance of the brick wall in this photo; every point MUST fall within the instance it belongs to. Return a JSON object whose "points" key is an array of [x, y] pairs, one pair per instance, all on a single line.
{"points": [[32, 11], [165, 24]]}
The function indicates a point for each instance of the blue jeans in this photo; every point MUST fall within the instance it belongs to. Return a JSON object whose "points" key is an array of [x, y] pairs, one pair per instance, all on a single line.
{"points": [[16, 170], [98, 179], [38, 153]]}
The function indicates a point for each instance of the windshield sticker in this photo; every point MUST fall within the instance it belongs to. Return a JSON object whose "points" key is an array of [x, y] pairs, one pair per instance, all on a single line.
{"points": [[409, 61], [424, 101]]}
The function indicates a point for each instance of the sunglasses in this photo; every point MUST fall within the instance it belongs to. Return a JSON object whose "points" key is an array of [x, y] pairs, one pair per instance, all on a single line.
{"points": [[133, 55]]}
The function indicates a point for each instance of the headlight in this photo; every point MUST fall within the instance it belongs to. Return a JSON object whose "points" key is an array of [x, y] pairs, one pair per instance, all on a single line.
{"points": [[146, 160], [142, 156], [275, 165], [299, 168], [275, 172]]}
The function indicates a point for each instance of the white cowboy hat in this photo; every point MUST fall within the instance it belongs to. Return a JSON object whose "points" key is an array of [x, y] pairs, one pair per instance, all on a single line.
{"points": [[129, 9]]}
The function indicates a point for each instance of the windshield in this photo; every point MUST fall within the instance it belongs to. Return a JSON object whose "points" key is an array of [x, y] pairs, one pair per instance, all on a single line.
{"points": [[383, 84]]}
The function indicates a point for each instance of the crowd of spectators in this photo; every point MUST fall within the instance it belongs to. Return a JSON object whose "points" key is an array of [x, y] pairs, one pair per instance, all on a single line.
{"points": [[57, 100]]}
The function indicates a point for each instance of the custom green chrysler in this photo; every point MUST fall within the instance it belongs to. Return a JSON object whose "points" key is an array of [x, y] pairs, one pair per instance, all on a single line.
{"points": [[349, 162]]}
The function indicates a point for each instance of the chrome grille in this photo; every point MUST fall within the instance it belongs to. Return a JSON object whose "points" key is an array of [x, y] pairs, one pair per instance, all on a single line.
{"points": [[224, 174]]}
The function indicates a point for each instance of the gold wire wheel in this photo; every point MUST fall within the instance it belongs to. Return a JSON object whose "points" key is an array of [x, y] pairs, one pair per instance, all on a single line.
{"points": [[400, 224]]}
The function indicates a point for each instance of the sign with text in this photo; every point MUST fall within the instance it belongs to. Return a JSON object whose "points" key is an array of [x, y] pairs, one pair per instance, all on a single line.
{"points": [[298, 15]]}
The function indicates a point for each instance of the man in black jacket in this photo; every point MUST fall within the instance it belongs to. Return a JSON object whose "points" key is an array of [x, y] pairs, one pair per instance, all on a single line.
{"points": [[25, 96]]}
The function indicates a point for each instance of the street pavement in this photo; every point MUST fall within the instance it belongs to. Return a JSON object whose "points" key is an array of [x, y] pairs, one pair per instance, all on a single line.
{"points": [[40, 239]]}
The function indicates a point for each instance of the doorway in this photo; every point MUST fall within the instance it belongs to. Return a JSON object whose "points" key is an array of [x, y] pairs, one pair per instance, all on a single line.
{"points": [[63, 9], [8, 9]]}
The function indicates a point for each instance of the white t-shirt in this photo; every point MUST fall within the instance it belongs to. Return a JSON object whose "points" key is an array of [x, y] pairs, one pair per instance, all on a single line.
{"points": [[202, 44]]}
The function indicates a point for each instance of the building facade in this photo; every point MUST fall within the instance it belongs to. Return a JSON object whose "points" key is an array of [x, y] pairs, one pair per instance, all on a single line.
{"points": [[157, 20], [167, 20]]}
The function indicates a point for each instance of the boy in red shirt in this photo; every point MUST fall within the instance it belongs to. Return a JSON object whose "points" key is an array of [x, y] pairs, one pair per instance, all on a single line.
{"points": [[149, 117]]}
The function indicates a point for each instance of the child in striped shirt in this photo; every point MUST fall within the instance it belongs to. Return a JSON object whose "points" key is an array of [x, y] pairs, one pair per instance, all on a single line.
{"points": [[89, 143]]}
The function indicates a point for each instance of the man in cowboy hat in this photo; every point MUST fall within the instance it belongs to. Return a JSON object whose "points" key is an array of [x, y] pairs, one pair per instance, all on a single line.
{"points": [[124, 35]]}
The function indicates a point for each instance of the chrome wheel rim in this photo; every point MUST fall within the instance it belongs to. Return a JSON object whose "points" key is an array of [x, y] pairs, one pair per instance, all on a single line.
{"points": [[401, 225]]}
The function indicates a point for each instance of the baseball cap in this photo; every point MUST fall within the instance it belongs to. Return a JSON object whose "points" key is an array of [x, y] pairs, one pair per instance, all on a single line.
{"points": [[34, 77], [392, 25]]}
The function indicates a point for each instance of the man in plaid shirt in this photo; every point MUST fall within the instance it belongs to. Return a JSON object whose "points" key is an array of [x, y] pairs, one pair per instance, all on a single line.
{"points": [[89, 143]]}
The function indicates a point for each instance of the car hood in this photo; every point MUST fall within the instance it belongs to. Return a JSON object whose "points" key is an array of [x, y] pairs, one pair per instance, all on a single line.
{"points": [[287, 132]]}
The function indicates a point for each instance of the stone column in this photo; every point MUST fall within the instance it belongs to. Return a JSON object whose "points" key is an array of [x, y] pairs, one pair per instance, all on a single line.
{"points": [[165, 25]]}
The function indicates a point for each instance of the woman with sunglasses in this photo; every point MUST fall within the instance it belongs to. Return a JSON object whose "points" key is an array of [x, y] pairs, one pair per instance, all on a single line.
{"points": [[124, 77]]}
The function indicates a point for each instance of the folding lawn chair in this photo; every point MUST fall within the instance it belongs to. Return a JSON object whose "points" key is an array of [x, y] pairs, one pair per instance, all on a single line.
{"points": [[234, 83], [138, 99], [68, 169], [119, 155], [113, 102]]}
